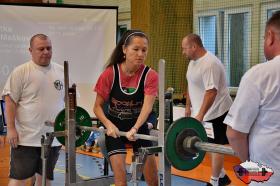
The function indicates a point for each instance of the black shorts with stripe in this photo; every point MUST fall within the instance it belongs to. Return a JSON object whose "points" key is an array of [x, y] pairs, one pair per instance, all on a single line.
{"points": [[219, 130]]}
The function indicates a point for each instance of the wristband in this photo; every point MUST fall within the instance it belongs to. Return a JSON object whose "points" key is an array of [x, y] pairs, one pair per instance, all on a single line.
{"points": [[135, 129]]}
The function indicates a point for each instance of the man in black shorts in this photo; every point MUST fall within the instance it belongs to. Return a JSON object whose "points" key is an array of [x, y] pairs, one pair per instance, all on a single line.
{"points": [[26, 161], [33, 93], [208, 98]]}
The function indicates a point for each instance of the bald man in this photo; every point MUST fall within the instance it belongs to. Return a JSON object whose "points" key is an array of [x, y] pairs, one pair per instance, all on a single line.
{"points": [[208, 98]]}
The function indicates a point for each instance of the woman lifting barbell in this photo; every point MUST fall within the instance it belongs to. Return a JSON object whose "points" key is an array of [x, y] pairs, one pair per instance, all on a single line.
{"points": [[131, 88]]}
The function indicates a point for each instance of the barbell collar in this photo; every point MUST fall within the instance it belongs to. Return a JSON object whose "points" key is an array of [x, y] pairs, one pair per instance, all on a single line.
{"points": [[121, 133], [210, 147]]}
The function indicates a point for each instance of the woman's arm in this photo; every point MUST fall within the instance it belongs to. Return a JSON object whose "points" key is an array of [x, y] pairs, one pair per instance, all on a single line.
{"points": [[112, 130], [144, 114]]}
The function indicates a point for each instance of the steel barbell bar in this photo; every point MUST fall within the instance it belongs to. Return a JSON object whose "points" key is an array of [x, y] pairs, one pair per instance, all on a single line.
{"points": [[199, 145], [189, 142], [210, 147], [102, 130], [121, 133]]}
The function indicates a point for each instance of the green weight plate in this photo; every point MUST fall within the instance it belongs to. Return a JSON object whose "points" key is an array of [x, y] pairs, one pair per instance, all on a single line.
{"points": [[174, 130], [188, 152], [82, 119]]}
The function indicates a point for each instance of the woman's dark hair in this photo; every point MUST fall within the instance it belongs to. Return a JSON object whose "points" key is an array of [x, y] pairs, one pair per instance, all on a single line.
{"points": [[118, 56]]}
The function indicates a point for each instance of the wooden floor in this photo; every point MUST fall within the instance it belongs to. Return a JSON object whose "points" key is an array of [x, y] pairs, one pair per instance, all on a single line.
{"points": [[202, 172], [4, 165]]}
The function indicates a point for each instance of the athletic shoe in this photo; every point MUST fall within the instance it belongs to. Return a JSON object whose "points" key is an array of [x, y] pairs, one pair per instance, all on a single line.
{"points": [[224, 181]]}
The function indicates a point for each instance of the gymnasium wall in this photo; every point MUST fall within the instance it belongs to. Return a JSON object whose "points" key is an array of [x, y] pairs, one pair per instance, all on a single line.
{"points": [[237, 35], [166, 23], [124, 8], [232, 29]]}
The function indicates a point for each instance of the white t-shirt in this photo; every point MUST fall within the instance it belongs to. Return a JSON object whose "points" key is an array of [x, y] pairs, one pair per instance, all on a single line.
{"points": [[204, 74], [256, 110], [39, 94]]}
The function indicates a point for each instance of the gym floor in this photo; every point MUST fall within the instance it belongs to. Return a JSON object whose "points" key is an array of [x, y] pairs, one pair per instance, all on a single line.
{"points": [[89, 165]]}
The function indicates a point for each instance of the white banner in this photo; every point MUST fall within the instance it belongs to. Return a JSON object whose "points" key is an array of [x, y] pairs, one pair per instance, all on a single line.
{"points": [[83, 36]]}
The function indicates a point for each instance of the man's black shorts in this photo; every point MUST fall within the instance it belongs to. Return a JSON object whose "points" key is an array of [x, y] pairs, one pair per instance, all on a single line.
{"points": [[26, 161], [219, 130]]}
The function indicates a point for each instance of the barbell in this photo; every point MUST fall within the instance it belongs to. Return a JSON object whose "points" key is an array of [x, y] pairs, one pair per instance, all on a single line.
{"points": [[185, 141], [186, 144]]}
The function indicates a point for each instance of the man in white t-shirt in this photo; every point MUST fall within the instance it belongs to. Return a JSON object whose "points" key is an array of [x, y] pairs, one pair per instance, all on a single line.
{"points": [[33, 93], [253, 120], [208, 98]]}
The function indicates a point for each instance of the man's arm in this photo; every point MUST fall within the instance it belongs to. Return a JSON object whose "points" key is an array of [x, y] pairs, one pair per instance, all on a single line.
{"points": [[188, 105], [239, 142], [208, 100], [12, 135]]}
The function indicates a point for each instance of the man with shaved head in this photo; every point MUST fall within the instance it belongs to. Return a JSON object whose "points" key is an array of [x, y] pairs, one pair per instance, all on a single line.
{"points": [[208, 98]]}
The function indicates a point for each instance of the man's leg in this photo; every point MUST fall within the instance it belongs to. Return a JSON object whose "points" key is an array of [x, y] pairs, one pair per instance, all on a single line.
{"points": [[219, 129], [23, 165], [216, 167], [217, 164], [39, 181], [50, 166], [14, 182]]}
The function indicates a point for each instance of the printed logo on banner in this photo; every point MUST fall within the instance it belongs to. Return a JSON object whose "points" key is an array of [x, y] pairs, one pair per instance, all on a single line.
{"points": [[249, 171]]}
